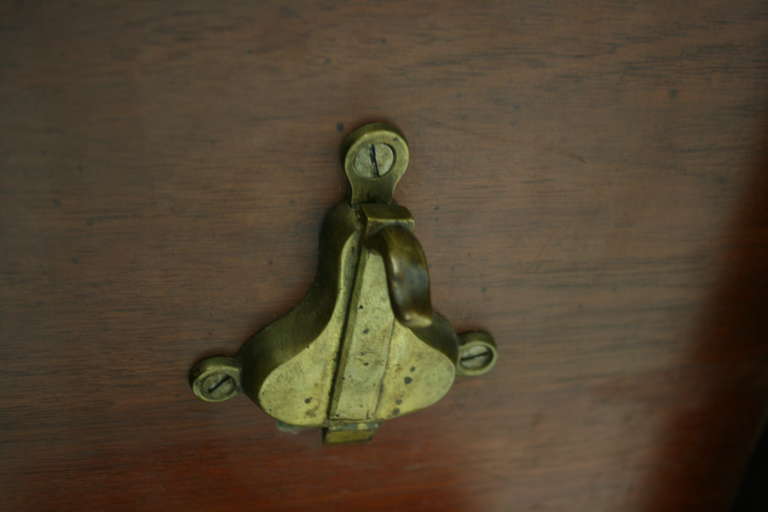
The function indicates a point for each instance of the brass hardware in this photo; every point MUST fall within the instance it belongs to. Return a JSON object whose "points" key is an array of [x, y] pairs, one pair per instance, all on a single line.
{"points": [[477, 353], [216, 379], [364, 345]]}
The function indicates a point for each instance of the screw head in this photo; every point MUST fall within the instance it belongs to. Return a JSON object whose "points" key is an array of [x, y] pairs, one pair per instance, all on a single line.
{"points": [[476, 356], [373, 160], [477, 353], [219, 386], [375, 157], [215, 379]]}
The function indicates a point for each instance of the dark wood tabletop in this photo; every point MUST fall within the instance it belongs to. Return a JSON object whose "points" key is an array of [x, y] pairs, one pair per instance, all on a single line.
{"points": [[589, 183]]}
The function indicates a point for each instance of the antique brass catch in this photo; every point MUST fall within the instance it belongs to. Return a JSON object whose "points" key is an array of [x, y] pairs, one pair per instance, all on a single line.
{"points": [[365, 345]]}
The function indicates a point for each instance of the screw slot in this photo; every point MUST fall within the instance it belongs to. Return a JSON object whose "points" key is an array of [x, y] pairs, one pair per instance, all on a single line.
{"points": [[218, 385], [475, 357], [374, 160]]}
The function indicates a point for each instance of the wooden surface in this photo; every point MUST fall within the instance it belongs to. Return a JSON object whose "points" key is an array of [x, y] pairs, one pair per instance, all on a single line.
{"points": [[589, 183]]}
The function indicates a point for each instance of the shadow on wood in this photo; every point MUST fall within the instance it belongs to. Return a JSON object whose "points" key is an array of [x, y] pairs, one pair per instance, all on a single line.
{"points": [[703, 451]]}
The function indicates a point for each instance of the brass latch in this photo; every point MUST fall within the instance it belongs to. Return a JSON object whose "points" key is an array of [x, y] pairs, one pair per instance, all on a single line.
{"points": [[364, 345]]}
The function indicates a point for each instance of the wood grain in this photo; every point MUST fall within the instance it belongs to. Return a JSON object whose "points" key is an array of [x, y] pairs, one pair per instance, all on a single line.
{"points": [[588, 180]]}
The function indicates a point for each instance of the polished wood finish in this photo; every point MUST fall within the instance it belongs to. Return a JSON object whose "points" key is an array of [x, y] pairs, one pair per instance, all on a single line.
{"points": [[588, 181]]}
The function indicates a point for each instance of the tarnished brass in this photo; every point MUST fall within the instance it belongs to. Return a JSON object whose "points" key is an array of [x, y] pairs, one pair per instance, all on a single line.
{"points": [[365, 345]]}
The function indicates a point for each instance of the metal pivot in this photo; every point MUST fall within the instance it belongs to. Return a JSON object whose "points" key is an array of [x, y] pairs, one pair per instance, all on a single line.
{"points": [[365, 345]]}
